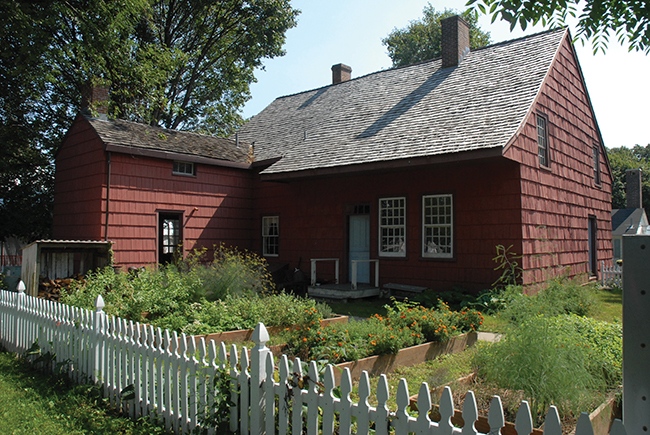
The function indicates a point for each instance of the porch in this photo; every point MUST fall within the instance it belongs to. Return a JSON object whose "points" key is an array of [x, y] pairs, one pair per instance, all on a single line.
{"points": [[344, 291]]}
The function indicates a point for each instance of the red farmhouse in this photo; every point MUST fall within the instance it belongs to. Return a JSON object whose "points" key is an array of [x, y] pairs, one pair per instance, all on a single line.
{"points": [[425, 168]]}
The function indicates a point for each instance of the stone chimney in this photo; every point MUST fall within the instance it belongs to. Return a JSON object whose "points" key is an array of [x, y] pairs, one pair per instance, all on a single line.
{"points": [[341, 73], [454, 40], [96, 98], [633, 188]]}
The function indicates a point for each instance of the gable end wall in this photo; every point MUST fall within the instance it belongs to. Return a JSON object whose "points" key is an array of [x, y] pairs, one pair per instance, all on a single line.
{"points": [[79, 185], [557, 201]]}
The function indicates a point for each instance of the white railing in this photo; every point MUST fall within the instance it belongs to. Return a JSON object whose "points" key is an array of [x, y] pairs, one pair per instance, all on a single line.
{"points": [[611, 275], [355, 265], [172, 379], [313, 268]]}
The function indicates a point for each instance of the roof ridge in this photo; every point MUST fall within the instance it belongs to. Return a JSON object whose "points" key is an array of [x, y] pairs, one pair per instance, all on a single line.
{"points": [[142, 124], [438, 59]]}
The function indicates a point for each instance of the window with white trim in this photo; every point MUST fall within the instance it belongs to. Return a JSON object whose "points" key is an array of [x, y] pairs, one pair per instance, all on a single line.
{"points": [[542, 140], [392, 227], [183, 168], [437, 226], [271, 236]]}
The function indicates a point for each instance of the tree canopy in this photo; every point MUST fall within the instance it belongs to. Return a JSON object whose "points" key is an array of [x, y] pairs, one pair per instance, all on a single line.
{"points": [[177, 64], [620, 160], [420, 40], [627, 20]]}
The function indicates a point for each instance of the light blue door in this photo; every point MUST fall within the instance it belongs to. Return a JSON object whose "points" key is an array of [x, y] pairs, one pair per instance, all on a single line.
{"points": [[360, 246]]}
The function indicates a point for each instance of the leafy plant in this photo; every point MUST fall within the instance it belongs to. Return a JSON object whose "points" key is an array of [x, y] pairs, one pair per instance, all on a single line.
{"points": [[405, 324], [508, 262]]}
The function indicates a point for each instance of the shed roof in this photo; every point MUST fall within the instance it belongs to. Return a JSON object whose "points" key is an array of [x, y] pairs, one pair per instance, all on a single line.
{"points": [[416, 111], [129, 134], [628, 221]]}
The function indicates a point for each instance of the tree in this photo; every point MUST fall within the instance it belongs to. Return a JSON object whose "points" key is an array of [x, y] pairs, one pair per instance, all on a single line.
{"points": [[623, 158], [420, 40], [177, 64], [626, 19]]}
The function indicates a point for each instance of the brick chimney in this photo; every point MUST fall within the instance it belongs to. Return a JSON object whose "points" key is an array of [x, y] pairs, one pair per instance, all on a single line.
{"points": [[633, 188], [96, 98], [341, 73], [454, 40]]}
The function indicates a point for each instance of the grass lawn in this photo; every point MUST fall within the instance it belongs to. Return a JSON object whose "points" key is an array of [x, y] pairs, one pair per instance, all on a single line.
{"points": [[34, 403]]}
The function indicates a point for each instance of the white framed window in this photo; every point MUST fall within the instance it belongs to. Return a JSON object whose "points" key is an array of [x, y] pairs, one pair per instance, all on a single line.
{"points": [[184, 168], [271, 236], [392, 227], [437, 226], [542, 140]]}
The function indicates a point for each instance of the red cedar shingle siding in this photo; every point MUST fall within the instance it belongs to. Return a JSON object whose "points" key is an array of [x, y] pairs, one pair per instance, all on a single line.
{"points": [[556, 203], [142, 186], [313, 220], [79, 186]]}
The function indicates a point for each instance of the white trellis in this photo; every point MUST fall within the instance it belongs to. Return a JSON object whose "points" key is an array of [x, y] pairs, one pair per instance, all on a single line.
{"points": [[171, 378]]}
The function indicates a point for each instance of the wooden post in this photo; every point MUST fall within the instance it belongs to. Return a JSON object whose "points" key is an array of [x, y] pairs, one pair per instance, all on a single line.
{"points": [[259, 354], [98, 366], [18, 333]]}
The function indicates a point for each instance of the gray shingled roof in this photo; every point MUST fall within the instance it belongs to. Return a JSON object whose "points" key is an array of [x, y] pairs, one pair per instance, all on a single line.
{"points": [[415, 111], [142, 136], [627, 220]]}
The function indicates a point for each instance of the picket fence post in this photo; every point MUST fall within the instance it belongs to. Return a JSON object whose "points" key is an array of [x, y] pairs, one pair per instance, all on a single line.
{"points": [[18, 331], [98, 337], [259, 354]]}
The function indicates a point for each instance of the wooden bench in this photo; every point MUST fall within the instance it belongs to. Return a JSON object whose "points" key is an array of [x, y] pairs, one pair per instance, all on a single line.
{"points": [[401, 291]]}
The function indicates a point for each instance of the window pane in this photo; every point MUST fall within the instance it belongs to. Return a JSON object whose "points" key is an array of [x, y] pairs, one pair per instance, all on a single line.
{"points": [[392, 226], [437, 221], [271, 235]]}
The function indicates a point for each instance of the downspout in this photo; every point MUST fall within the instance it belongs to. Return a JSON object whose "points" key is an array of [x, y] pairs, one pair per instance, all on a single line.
{"points": [[108, 195]]}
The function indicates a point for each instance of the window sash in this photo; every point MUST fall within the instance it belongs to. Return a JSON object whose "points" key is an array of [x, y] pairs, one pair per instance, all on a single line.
{"points": [[542, 140], [392, 227], [271, 236], [596, 164], [437, 226], [183, 168]]}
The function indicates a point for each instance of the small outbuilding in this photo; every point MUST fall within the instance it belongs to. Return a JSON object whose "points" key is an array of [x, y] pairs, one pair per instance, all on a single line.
{"points": [[55, 259]]}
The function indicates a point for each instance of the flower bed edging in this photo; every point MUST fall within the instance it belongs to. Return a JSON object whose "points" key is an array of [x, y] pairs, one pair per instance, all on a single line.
{"points": [[246, 334], [406, 357]]}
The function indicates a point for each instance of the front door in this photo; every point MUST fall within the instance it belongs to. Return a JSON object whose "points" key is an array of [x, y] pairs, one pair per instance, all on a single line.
{"points": [[360, 246], [169, 236]]}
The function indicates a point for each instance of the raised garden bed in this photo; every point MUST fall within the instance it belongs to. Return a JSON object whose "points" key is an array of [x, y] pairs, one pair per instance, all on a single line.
{"points": [[406, 357], [243, 335]]}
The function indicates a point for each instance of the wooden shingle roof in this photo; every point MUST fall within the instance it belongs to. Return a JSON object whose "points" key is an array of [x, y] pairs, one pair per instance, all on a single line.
{"points": [[141, 137], [416, 111]]}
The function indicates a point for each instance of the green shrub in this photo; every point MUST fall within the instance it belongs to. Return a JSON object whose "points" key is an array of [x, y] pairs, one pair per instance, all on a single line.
{"points": [[561, 360], [232, 292], [560, 296]]}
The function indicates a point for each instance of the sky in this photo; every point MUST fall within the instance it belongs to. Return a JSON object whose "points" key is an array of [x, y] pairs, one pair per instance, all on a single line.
{"points": [[350, 32]]}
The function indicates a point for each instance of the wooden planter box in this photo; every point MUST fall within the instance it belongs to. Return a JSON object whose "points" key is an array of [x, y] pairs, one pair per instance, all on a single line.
{"points": [[246, 334], [406, 357]]}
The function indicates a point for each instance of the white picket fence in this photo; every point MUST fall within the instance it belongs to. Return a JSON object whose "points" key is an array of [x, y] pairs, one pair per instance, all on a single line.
{"points": [[611, 275], [172, 379]]}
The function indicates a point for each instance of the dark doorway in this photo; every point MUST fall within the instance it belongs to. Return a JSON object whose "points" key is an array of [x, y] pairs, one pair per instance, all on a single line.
{"points": [[593, 247], [169, 236]]}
